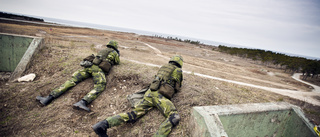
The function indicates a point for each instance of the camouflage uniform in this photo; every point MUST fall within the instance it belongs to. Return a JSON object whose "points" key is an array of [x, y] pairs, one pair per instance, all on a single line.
{"points": [[97, 73], [154, 99]]}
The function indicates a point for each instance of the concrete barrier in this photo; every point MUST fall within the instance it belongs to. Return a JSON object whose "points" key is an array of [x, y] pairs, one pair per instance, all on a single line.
{"points": [[16, 53], [250, 120]]}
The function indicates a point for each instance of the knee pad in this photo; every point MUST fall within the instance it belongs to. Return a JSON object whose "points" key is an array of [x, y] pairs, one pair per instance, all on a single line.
{"points": [[174, 119], [132, 117]]}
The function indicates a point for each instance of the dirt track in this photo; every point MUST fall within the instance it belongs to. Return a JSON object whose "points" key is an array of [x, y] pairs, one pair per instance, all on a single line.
{"points": [[205, 83], [316, 88], [300, 95]]}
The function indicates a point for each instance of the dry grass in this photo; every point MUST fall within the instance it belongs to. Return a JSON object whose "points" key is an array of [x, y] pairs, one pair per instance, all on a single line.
{"points": [[64, 48]]}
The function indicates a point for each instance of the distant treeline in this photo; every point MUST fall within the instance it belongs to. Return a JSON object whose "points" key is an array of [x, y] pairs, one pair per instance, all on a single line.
{"points": [[178, 39], [308, 67], [19, 17]]}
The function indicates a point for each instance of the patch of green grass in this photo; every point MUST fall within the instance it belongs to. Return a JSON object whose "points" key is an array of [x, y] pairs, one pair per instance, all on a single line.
{"points": [[61, 59], [25, 108], [6, 120], [43, 48], [51, 65], [92, 47], [72, 45], [245, 90], [66, 71], [65, 64], [312, 112], [36, 115], [60, 46], [43, 133]]}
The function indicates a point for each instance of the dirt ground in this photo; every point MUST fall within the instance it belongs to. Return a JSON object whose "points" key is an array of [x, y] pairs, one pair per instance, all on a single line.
{"points": [[65, 47]]}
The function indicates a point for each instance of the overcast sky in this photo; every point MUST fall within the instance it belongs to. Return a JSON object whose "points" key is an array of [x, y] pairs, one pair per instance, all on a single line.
{"points": [[290, 26]]}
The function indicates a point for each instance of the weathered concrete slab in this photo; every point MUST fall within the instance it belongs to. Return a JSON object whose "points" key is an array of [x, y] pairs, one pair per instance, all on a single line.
{"points": [[12, 49], [246, 120], [18, 51]]}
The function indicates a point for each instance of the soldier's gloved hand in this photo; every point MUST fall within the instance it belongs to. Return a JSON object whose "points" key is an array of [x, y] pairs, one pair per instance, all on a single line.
{"points": [[86, 64], [89, 58]]}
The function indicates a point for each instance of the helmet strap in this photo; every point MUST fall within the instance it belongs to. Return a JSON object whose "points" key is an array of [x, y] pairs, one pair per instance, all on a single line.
{"points": [[175, 63]]}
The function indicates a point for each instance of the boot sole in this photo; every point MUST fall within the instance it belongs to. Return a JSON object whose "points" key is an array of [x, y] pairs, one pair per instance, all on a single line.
{"points": [[79, 108]]}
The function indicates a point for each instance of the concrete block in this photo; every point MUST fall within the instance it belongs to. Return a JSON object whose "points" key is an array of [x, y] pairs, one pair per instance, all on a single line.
{"points": [[278, 119], [16, 53]]}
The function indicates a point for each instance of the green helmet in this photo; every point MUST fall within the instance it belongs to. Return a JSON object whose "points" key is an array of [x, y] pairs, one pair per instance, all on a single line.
{"points": [[113, 44], [177, 59]]}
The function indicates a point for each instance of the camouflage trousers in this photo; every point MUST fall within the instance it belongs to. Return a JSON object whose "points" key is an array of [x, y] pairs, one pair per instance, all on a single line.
{"points": [[151, 99], [99, 80]]}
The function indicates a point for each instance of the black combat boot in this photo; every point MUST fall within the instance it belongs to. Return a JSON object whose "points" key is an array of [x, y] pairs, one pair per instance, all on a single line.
{"points": [[82, 104], [45, 100], [101, 128]]}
